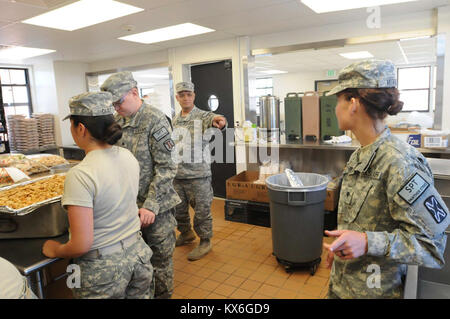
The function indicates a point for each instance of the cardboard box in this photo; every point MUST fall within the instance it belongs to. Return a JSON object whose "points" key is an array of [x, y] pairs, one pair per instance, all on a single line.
{"points": [[432, 139], [412, 136], [333, 190], [242, 187]]}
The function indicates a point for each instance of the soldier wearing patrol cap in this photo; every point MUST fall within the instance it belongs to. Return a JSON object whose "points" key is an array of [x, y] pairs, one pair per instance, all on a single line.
{"points": [[100, 197], [193, 179], [390, 214], [147, 134]]}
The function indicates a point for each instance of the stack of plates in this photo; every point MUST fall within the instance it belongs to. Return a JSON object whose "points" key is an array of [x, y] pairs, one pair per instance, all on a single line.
{"points": [[45, 127], [26, 135], [11, 125]]}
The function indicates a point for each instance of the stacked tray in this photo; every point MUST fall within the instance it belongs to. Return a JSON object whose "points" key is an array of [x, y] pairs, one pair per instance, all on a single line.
{"points": [[11, 125], [45, 127], [26, 136]]}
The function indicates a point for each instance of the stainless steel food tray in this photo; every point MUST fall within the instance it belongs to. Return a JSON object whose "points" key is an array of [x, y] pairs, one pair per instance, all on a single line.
{"points": [[28, 209]]}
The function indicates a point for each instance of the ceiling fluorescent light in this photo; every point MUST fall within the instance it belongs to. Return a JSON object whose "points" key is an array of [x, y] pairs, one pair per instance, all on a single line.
{"points": [[82, 14], [273, 72], [168, 33], [416, 38], [20, 53], [322, 6], [356, 55]]}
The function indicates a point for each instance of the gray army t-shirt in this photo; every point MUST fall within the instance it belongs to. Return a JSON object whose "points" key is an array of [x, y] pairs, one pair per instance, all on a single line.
{"points": [[106, 180]]}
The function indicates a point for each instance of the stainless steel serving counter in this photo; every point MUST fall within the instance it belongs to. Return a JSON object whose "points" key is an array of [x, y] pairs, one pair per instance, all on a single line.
{"points": [[26, 255]]}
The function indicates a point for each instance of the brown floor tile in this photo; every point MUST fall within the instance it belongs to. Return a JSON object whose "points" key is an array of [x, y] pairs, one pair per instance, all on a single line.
{"points": [[260, 296], [194, 280], [259, 276], [183, 289], [225, 290], [286, 294], [175, 296], [268, 290], [243, 272], [250, 265], [213, 295], [180, 275], [311, 290], [219, 276], [191, 268], [235, 281], [198, 293], [241, 294], [209, 285], [318, 281], [205, 272], [276, 280], [229, 269], [303, 296], [250, 285], [214, 265], [292, 285]]}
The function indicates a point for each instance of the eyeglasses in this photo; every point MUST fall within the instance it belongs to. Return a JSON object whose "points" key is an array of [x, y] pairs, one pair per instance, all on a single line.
{"points": [[118, 103]]}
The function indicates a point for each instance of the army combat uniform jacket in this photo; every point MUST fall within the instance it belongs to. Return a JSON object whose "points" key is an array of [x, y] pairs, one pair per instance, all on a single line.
{"points": [[388, 193], [147, 134], [199, 120]]}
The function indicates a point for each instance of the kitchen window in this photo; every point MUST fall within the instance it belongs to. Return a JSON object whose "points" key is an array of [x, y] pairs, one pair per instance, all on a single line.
{"points": [[417, 88], [264, 86], [15, 86]]}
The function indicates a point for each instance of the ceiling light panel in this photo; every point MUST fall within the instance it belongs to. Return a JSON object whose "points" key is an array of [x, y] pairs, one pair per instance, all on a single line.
{"points": [[356, 55], [168, 33], [82, 14], [322, 6], [21, 53]]}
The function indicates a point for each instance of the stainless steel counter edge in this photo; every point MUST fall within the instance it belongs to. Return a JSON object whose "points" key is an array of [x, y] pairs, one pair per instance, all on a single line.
{"points": [[37, 266], [316, 145]]}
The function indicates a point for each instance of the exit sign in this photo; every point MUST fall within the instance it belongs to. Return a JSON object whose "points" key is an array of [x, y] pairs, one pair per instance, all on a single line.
{"points": [[331, 73]]}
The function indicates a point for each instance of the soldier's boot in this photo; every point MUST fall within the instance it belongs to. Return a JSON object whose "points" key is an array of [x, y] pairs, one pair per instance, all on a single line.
{"points": [[201, 250], [185, 238]]}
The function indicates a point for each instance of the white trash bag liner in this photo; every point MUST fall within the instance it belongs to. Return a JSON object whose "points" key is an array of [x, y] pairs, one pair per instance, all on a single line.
{"points": [[311, 182]]}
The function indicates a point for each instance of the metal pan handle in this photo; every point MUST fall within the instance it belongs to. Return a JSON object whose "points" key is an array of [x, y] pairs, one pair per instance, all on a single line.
{"points": [[8, 225]]}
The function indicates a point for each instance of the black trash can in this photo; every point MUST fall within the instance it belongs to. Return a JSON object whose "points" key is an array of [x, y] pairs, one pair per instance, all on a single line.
{"points": [[297, 217]]}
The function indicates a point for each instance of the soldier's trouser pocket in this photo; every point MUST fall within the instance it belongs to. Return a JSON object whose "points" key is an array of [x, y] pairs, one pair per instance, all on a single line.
{"points": [[141, 285], [98, 279]]}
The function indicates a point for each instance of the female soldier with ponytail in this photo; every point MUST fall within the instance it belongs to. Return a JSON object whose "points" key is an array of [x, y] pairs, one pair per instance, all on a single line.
{"points": [[100, 197], [390, 215]]}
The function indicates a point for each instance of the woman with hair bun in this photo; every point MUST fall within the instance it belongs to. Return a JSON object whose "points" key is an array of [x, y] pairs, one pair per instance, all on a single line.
{"points": [[390, 214], [100, 197]]}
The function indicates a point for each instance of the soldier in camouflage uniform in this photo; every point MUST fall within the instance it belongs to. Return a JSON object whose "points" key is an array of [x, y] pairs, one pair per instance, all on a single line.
{"points": [[100, 197], [390, 215], [193, 179], [147, 134]]}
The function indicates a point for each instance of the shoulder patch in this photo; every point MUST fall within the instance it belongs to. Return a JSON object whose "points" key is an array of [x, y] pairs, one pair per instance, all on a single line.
{"points": [[435, 209], [413, 188], [160, 134], [169, 144]]}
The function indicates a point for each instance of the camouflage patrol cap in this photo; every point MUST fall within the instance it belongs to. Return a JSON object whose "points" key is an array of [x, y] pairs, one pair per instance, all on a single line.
{"points": [[368, 74], [91, 104], [119, 84], [184, 86]]}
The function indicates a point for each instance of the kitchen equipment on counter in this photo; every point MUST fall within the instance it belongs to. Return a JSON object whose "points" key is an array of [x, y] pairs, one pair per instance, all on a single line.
{"points": [[293, 116], [269, 118], [328, 120], [311, 116]]}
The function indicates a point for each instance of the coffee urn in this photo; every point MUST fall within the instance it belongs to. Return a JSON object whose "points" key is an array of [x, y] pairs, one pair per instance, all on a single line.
{"points": [[269, 118]]}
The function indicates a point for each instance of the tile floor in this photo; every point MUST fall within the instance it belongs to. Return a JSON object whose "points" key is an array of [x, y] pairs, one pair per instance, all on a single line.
{"points": [[241, 266]]}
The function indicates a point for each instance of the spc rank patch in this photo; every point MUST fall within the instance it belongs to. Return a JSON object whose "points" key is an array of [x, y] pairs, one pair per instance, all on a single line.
{"points": [[435, 209], [413, 188], [160, 134]]}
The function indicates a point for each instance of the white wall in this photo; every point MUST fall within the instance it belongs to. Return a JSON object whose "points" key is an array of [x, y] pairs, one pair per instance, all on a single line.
{"points": [[70, 78], [444, 28], [156, 57], [160, 99], [294, 82]]}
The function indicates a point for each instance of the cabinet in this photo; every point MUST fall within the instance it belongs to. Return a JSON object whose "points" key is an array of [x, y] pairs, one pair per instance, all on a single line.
{"points": [[4, 144]]}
